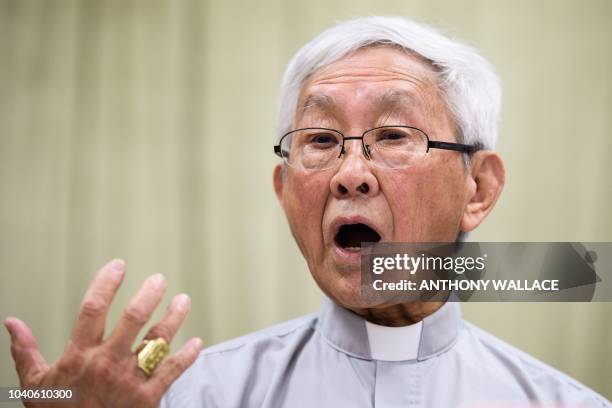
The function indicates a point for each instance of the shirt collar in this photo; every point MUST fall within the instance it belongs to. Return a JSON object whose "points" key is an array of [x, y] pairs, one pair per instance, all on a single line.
{"points": [[353, 335]]}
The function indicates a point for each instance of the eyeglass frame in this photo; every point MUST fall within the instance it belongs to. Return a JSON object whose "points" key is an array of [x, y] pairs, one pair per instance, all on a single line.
{"points": [[431, 144]]}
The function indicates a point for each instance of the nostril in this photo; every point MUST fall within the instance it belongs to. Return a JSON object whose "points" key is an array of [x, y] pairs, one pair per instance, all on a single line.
{"points": [[342, 189], [363, 188]]}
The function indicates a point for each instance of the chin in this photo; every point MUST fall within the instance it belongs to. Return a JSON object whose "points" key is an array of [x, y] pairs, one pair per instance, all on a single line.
{"points": [[345, 290]]}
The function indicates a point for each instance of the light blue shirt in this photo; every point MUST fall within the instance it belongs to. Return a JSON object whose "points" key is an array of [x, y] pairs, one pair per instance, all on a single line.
{"points": [[337, 359]]}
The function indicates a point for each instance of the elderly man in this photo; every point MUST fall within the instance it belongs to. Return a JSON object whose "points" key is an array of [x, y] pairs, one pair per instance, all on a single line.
{"points": [[386, 131]]}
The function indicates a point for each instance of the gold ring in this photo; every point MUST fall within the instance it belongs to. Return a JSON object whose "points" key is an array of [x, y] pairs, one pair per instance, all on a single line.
{"points": [[151, 353]]}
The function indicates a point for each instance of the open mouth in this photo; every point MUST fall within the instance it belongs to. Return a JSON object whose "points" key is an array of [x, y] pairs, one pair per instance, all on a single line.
{"points": [[351, 236]]}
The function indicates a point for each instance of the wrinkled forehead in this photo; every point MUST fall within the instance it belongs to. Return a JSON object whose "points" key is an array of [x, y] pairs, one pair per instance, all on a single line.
{"points": [[380, 80]]}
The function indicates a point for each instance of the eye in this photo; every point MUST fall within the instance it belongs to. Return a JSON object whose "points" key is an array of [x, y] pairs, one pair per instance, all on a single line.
{"points": [[323, 138], [393, 138], [392, 135]]}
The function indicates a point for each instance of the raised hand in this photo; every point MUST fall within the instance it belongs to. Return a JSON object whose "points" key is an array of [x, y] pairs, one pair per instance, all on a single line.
{"points": [[103, 372]]}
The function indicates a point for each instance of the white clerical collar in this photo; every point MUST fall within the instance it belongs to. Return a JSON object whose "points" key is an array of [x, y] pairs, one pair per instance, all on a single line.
{"points": [[394, 343], [353, 335]]}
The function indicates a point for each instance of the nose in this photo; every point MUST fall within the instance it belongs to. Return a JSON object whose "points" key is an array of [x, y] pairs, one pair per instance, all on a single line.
{"points": [[354, 178]]}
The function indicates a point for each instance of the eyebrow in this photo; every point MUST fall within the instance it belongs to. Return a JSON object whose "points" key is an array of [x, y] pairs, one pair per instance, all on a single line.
{"points": [[395, 98], [318, 101]]}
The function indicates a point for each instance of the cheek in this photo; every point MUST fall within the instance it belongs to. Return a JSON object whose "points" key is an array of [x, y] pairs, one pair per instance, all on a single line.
{"points": [[304, 202], [426, 202]]}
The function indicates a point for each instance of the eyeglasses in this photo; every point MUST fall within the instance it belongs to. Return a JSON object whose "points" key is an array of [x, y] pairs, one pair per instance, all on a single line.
{"points": [[392, 147]]}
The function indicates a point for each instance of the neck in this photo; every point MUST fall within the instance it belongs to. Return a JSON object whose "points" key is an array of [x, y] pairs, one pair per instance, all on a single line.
{"points": [[398, 315]]}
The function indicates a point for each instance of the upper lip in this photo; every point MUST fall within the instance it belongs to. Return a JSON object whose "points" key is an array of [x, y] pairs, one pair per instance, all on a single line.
{"points": [[349, 220]]}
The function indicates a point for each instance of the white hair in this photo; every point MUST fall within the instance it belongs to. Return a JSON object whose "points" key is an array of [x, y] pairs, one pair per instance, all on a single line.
{"points": [[468, 83]]}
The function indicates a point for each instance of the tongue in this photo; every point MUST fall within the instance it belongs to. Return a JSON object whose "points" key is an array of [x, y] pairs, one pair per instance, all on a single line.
{"points": [[351, 236]]}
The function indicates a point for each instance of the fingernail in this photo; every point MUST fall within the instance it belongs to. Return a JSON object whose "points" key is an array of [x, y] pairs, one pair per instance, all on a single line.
{"points": [[118, 264], [8, 325], [158, 279], [183, 301], [196, 343]]}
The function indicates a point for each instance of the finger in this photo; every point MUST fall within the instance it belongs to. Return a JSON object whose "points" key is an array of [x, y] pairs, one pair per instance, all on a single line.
{"points": [[172, 320], [171, 368], [89, 326], [137, 313], [30, 364]]}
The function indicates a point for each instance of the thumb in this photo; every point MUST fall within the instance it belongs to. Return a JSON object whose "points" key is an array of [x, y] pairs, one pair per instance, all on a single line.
{"points": [[30, 364]]}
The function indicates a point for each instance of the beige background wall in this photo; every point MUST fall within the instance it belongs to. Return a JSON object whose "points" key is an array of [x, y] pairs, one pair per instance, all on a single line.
{"points": [[143, 130]]}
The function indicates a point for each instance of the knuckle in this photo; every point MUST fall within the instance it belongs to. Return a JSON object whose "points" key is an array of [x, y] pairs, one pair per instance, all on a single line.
{"points": [[176, 366], [16, 351], [135, 316], [71, 363], [146, 396], [103, 369], [151, 399], [159, 330], [92, 307], [30, 379]]}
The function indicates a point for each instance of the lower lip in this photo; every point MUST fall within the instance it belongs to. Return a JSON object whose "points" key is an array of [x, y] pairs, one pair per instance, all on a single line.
{"points": [[346, 256]]}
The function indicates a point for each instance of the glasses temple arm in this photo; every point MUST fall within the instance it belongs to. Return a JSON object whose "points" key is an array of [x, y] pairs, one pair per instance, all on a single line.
{"points": [[277, 151], [459, 147]]}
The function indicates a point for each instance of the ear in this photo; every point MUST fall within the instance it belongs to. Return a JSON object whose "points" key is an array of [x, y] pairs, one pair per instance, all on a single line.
{"points": [[277, 179], [487, 178]]}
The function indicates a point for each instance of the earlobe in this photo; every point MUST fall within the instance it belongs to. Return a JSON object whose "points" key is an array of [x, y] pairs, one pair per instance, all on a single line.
{"points": [[277, 179], [488, 175]]}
